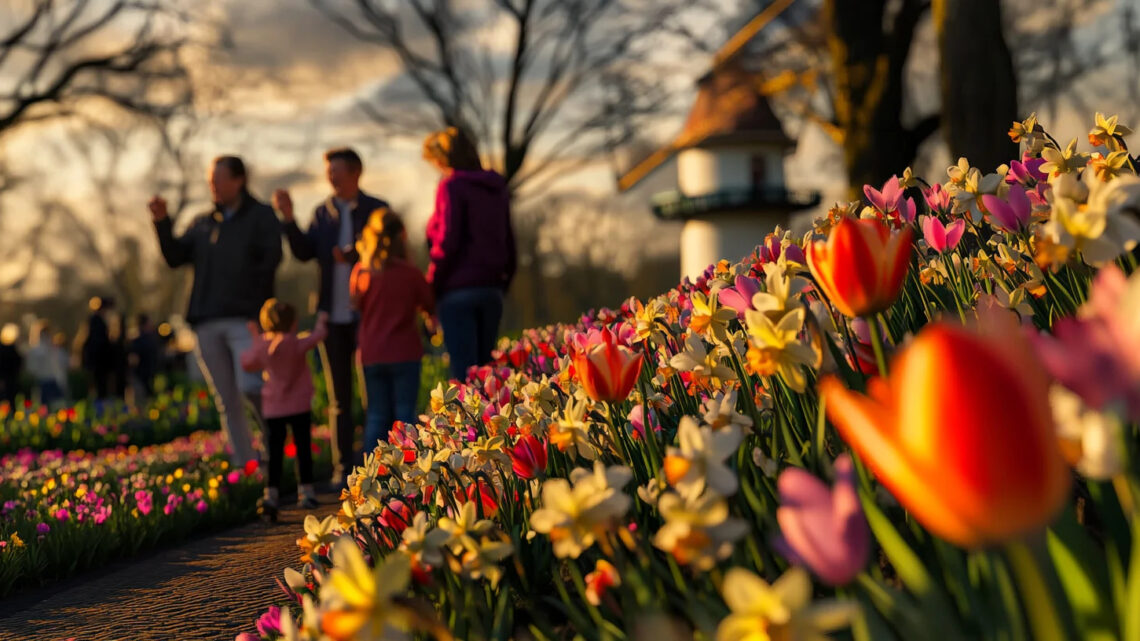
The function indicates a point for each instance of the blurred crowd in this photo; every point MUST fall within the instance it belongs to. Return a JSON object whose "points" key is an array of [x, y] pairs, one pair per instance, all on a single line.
{"points": [[111, 357]]}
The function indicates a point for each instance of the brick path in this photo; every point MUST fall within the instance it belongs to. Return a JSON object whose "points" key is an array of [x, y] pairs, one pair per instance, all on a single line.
{"points": [[209, 589]]}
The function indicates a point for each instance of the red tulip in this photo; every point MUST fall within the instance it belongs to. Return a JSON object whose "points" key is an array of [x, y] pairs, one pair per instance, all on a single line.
{"points": [[607, 370], [486, 497], [861, 265], [250, 467], [528, 457], [961, 433]]}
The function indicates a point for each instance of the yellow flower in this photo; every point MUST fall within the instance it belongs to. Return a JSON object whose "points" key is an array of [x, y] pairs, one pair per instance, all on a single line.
{"points": [[571, 432], [357, 601], [1106, 131], [1023, 130], [780, 289], [705, 366], [698, 530], [1108, 167], [1063, 162], [777, 347], [422, 543], [699, 461], [320, 532], [178, 473], [573, 516], [17, 541], [464, 526], [709, 318], [781, 611], [1101, 228]]}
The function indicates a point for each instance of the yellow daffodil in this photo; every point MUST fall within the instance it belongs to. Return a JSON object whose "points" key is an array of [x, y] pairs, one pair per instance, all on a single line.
{"points": [[422, 542], [781, 611], [698, 531], [1108, 167], [570, 433], [321, 532], [705, 366], [356, 601], [699, 461], [1106, 130], [776, 348], [1059, 162], [709, 319], [574, 513], [464, 526]]}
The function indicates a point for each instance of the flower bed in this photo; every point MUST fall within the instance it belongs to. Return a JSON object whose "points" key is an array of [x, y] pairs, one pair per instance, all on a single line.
{"points": [[63, 512], [916, 422], [169, 415]]}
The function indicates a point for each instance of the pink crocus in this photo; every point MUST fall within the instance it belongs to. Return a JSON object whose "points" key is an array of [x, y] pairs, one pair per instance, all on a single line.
{"points": [[821, 527], [888, 199], [942, 237], [740, 296], [1097, 353], [937, 199], [1011, 215], [269, 624]]}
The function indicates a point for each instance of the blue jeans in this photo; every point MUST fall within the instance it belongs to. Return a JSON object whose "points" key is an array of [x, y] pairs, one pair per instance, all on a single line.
{"points": [[393, 389], [470, 320]]}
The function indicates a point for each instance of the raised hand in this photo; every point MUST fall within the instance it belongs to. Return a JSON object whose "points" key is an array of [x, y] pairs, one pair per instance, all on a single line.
{"points": [[284, 204], [157, 207]]}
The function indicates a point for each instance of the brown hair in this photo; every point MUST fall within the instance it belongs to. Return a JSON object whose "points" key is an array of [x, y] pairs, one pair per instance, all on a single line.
{"points": [[277, 316], [347, 155], [382, 239], [236, 167], [452, 148]]}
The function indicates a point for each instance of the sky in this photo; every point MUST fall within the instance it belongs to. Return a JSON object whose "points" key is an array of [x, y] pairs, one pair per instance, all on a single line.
{"points": [[286, 84]]}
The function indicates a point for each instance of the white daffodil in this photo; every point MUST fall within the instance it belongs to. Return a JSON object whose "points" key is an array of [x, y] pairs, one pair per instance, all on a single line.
{"points": [[782, 610], [575, 512], [699, 461]]}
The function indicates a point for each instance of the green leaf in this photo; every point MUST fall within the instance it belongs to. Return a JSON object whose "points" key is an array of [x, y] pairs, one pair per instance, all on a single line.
{"points": [[1080, 567]]}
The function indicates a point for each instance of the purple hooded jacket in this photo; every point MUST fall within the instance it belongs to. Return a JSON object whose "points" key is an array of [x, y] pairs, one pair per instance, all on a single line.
{"points": [[470, 236]]}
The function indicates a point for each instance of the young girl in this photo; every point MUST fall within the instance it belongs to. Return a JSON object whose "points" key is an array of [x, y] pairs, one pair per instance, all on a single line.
{"points": [[286, 396], [390, 292]]}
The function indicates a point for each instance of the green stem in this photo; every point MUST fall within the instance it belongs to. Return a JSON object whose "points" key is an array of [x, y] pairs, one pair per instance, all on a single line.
{"points": [[1039, 606], [877, 345]]}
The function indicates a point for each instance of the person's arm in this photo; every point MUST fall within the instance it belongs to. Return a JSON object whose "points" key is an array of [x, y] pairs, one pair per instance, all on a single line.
{"points": [[320, 331], [266, 251], [303, 244], [253, 358], [426, 298], [176, 250], [450, 213]]}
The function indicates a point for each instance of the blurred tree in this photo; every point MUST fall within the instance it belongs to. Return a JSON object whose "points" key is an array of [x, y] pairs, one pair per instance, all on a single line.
{"points": [[544, 86]]}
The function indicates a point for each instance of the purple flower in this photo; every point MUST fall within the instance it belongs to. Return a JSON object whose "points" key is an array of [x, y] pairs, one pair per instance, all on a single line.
{"points": [[739, 297], [1011, 215], [942, 237], [823, 528], [1027, 172], [42, 528], [270, 622]]}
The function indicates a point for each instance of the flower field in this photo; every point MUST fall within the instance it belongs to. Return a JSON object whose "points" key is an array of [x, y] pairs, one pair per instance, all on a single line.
{"points": [[171, 414], [920, 416]]}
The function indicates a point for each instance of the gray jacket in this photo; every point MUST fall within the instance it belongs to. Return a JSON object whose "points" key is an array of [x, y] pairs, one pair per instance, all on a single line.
{"points": [[234, 260]]}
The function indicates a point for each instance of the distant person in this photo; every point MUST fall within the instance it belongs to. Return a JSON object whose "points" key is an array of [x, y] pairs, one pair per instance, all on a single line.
{"points": [[287, 396], [120, 356], [472, 248], [97, 354], [11, 363], [234, 250], [47, 365], [331, 239], [390, 293], [144, 359]]}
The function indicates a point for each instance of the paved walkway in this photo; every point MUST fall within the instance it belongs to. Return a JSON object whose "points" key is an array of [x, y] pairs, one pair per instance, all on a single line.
{"points": [[208, 589]]}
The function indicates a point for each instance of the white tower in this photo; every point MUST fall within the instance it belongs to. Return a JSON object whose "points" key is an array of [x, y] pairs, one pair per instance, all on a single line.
{"points": [[730, 172]]}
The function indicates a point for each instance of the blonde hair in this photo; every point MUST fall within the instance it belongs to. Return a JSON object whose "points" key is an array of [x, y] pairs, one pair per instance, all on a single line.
{"points": [[277, 316], [452, 148], [382, 239]]}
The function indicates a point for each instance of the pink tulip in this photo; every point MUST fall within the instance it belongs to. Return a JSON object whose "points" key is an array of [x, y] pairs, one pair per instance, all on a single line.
{"points": [[1011, 216], [823, 528], [888, 199], [942, 237], [937, 199]]}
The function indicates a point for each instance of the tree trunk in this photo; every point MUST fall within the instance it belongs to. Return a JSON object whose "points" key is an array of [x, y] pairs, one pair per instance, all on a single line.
{"points": [[979, 86], [868, 64]]}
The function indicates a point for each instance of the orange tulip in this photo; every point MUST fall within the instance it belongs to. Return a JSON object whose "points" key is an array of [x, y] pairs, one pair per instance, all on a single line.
{"points": [[861, 265], [606, 370], [961, 433]]}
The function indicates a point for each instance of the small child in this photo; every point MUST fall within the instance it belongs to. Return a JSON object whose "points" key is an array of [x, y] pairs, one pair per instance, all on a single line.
{"points": [[390, 293], [286, 396]]}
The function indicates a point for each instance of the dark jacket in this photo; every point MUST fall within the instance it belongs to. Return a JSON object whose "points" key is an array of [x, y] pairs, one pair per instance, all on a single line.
{"points": [[322, 236], [470, 236], [97, 345], [234, 260]]}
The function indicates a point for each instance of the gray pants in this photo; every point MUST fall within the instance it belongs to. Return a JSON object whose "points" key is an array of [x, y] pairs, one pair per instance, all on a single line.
{"points": [[219, 348]]}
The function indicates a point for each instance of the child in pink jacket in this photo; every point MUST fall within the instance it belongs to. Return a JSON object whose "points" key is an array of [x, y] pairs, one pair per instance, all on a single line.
{"points": [[286, 396]]}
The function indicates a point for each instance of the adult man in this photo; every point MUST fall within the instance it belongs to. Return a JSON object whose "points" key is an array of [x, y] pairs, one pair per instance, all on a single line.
{"points": [[144, 359], [235, 250], [331, 239]]}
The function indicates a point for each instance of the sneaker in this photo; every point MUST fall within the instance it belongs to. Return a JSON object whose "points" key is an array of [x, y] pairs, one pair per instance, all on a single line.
{"points": [[308, 503], [267, 509]]}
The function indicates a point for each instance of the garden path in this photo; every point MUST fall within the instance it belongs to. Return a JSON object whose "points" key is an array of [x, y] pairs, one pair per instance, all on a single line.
{"points": [[208, 589]]}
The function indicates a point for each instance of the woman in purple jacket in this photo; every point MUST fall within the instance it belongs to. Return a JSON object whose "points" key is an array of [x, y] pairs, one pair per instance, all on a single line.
{"points": [[472, 247]]}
